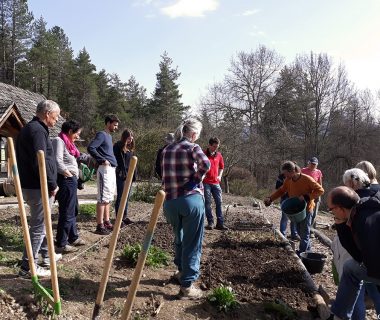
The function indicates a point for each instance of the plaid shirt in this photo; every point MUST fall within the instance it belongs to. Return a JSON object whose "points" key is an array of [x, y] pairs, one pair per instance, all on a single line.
{"points": [[184, 166]]}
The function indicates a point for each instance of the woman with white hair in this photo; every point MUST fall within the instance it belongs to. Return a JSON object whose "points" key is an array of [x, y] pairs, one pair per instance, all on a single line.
{"points": [[370, 170], [184, 166]]}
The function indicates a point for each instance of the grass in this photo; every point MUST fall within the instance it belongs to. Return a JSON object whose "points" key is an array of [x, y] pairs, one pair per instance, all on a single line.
{"points": [[11, 237], [87, 209], [223, 298], [156, 257]]}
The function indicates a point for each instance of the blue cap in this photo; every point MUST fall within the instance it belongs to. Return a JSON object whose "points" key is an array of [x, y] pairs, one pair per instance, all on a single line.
{"points": [[313, 160]]}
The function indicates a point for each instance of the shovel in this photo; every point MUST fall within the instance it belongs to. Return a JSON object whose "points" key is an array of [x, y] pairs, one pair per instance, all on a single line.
{"points": [[45, 293]]}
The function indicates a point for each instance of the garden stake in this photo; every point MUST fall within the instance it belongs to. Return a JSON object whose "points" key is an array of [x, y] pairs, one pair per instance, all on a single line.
{"points": [[49, 232], [38, 288], [115, 234], [142, 256]]}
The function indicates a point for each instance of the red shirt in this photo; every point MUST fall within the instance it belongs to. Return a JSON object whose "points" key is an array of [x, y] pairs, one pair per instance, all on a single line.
{"points": [[217, 163], [316, 174]]}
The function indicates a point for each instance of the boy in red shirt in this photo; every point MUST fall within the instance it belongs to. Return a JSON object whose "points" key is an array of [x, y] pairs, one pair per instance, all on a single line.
{"points": [[212, 187]]}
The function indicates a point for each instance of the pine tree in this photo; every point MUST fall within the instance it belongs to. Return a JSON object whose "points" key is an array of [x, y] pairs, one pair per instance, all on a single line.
{"points": [[166, 106]]}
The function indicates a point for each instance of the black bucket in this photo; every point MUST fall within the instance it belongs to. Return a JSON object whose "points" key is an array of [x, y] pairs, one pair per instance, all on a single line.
{"points": [[313, 261]]}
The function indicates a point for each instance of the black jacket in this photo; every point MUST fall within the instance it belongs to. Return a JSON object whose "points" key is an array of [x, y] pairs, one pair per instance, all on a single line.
{"points": [[366, 232], [362, 239], [158, 163], [123, 159], [33, 137]]}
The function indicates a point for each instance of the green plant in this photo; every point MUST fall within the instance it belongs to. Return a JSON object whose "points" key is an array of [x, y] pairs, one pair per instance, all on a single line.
{"points": [[156, 257], [11, 237], [87, 209], [223, 298], [145, 192]]}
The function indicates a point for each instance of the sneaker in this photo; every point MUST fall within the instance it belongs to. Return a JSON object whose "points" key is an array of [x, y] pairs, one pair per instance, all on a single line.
{"points": [[66, 249], [40, 272], [221, 227], [78, 242], [108, 225], [102, 231], [125, 222], [209, 226], [46, 261], [190, 293]]}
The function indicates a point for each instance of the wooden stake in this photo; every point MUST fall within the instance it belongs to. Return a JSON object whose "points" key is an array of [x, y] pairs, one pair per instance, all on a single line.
{"points": [[21, 205], [48, 224], [115, 234], [142, 256]]}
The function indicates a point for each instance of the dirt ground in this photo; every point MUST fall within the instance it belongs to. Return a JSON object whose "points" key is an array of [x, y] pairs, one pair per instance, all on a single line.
{"points": [[249, 257]]}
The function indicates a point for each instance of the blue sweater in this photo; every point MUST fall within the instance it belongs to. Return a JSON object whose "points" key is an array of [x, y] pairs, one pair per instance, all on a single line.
{"points": [[101, 148]]}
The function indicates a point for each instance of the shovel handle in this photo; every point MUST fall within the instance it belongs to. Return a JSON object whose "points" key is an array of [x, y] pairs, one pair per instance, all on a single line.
{"points": [[48, 224], [114, 236], [160, 197], [21, 205]]}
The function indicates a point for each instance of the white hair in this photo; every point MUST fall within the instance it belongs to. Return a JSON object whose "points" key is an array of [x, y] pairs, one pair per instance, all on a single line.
{"points": [[47, 106], [188, 127], [356, 179]]}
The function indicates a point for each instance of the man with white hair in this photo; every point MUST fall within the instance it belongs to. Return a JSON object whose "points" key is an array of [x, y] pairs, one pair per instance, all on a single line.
{"points": [[33, 137]]}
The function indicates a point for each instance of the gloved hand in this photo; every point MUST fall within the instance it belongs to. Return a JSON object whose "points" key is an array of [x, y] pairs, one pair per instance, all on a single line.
{"points": [[267, 201]]}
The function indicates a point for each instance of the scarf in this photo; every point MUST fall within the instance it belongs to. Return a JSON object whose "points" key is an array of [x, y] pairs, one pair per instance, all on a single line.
{"points": [[69, 145]]}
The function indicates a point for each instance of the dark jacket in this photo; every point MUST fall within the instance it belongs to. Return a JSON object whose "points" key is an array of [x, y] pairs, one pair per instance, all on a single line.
{"points": [[33, 137], [362, 239], [158, 165], [366, 232], [279, 183], [123, 159]]}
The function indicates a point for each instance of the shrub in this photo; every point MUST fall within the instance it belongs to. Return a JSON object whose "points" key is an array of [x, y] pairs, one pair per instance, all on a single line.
{"points": [[156, 257], [145, 192], [87, 209], [223, 298], [11, 237]]}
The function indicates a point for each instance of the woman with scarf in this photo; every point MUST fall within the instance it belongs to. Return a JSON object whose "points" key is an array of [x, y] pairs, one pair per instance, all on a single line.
{"points": [[66, 155], [123, 151]]}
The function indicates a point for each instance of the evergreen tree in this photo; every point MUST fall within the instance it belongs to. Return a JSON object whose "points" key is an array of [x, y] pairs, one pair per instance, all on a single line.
{"points": [[136, 100], [20, 27], [84, 99], [166, 106]]}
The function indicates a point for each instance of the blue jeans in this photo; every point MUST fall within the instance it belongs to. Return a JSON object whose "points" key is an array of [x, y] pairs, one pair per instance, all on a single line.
{"points": [[119, 188], [186, 216], [68, 210], [350, 287], [215, 191], [284, 223], [37, 230], [303, 229], [315, 211]]}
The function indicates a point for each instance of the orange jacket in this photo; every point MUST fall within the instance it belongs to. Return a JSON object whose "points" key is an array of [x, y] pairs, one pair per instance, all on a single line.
{"points": [[305, 185]]}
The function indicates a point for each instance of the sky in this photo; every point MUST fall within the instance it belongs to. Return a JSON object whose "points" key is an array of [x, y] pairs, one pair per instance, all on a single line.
{"points": [[128, 37]]}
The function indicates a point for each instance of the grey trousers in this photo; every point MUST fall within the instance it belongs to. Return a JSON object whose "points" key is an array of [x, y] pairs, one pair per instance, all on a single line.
{"points": [[37, 230]]}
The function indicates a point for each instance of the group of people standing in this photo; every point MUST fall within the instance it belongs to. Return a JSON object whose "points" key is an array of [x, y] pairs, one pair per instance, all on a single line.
{"points": [[181, 163], [62, 158]]}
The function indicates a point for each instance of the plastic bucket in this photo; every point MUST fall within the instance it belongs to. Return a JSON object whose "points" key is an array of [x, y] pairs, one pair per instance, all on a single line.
{"points": [[313, 261], [295, 209]]}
